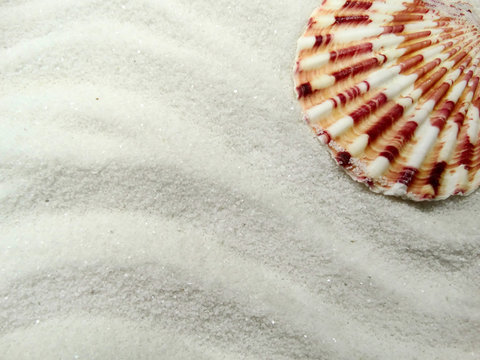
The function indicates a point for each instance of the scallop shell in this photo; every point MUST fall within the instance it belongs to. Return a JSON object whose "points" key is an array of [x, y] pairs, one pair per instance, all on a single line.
{"points": [[393, 88]]}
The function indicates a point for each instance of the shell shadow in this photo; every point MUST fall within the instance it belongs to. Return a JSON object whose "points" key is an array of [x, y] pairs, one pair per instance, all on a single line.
{"points": [[429, 205]]}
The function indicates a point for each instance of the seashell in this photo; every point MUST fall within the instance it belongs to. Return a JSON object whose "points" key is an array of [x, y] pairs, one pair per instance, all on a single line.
{"points": [[393, 88]]}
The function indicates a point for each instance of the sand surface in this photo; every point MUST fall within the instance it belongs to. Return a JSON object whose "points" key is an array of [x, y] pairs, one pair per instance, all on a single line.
{"points": [[161, 198]]}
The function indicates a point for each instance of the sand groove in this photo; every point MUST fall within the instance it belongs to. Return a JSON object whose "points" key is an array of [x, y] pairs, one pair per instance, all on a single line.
{"points": [[156, 182]]}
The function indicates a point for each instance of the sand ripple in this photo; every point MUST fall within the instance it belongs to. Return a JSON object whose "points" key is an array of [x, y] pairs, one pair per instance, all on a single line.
{"points": [[159, 195]]}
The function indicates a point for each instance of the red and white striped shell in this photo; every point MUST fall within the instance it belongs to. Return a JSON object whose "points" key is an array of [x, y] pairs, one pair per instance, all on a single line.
{"points": [[393, 88]]}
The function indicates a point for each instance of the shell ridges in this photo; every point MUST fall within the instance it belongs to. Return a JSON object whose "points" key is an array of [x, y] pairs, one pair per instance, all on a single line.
{"points": [[392, 88]]}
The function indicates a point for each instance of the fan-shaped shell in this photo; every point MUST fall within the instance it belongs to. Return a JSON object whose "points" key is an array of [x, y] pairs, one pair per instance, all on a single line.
{"points": [[393, 88]]}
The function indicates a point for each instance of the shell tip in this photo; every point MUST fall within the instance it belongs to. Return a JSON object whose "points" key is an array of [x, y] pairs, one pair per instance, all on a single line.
{"points": [[398, 189], [324, 138]]}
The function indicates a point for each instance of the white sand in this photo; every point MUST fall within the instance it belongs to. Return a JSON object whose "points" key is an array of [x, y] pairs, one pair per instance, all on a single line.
{"points": [[188, 213]]}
